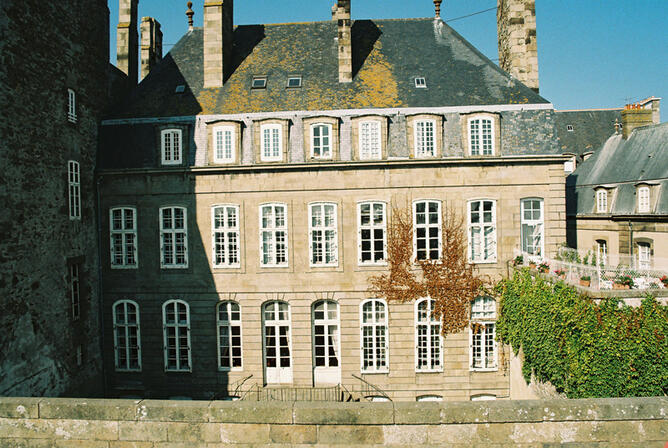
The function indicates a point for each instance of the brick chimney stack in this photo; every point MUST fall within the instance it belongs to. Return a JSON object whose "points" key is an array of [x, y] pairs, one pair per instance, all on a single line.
{"points": [[151, 45], [127, 45], [341, 14], [635, 116], [518, 52], [218, 41]]}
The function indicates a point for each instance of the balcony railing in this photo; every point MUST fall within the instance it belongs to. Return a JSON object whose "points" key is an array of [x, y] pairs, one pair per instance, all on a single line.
{"points": [[595, 274]]}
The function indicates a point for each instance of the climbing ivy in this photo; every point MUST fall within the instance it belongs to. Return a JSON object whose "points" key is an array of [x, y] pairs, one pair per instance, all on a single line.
{"points": [[584, 349]]}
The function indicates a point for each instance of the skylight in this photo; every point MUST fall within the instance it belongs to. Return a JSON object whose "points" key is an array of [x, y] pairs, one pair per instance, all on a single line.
{"points": [[180, 88], [295, 81], [420, 83], [569, 127], [259, 82]]}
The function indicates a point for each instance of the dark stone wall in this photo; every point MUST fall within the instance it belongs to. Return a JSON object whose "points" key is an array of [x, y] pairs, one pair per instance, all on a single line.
{"points": [[46, 48]]}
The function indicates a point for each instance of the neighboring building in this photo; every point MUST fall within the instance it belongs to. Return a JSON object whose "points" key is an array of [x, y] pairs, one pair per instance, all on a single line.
{"points": [[54, 59], [247, 185], [617, 199]]}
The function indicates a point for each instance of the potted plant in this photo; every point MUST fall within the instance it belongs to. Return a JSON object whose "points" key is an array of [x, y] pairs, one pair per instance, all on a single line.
{"points": [[560, 273], [664, 281], [532, 264], [518, 261], [623, 282], [544, 268], [585, 281]]}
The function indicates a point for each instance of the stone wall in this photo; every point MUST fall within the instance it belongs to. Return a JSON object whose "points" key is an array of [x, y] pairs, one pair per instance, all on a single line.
{"points": [[628, 422], [47, 48]]}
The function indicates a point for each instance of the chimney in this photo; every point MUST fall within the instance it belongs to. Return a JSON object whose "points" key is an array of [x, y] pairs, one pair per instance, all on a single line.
{"points": [[151, 45], [218, 41], [653, 104], [127, 47], [341, 14], [518, 52], [634, 116]]}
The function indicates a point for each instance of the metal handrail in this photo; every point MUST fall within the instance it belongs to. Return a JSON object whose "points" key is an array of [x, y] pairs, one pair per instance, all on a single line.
{"points": [[376, 388]]}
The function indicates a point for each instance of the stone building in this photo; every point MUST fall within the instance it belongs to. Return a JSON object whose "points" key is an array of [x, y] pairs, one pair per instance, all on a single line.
{"points": [[618, 197], [53, 72], [246, 188]]}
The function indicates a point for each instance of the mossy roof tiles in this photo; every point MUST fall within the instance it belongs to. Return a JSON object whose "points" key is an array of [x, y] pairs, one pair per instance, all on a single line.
{"points": [[387, 56]]}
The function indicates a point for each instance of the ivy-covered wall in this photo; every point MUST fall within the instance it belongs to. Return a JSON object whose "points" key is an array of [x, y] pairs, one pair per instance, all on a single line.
{"points": [[583, 348]]}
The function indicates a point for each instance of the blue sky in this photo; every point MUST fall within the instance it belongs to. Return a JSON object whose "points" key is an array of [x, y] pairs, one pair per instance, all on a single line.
{"points": [[591, 53]]}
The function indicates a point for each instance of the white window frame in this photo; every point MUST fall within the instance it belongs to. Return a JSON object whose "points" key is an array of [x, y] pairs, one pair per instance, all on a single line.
{"points": [[430, 347], [476, 135], [172, 140], [128, 239], [429, 398], [425, 145], [420, 82], [482, 226], [643, 199], [325, 150], [221, 134], [126, 328], [427, 226], [225, 328], [178, 327], [601, 201], [602, 252], [644, 255], [534, 223], [326, 322], [74, 189], [75, 290], [483, 312], [226, 235], [370, 140], [371, 227], [275, 151], [273, 230], [276, 323], [71, 106], [374, 325], [322, 230], [173, 231]]}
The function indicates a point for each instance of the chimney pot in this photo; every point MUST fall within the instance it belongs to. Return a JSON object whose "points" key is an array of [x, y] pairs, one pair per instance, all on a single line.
{"points": [[437, 7]]}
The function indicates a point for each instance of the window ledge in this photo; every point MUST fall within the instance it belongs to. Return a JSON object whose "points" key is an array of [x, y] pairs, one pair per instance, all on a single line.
{"points": [[121, 267], [491, 369]]}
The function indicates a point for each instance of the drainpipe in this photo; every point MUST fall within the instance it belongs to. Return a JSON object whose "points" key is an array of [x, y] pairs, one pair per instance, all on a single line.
{"points": [[99, 285]]}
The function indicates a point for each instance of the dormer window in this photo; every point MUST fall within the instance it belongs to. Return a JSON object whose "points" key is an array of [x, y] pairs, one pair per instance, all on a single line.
{"points": [[601, 201], [643, 199], [321, 141], [294, 81], [420, 83], [271, 146], [481, 134], [424, 138], [224, 144], [171, 144], [71, 106], [259, 82]]}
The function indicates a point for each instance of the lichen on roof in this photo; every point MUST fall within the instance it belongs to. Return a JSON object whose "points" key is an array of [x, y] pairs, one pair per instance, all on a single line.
{"points": [[387, 56]]}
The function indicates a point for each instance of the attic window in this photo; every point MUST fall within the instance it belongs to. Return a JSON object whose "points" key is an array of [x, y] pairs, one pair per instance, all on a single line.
{"points": [[180, 88], [569, 127], [259, 82], [420, 83], [295, 81]]}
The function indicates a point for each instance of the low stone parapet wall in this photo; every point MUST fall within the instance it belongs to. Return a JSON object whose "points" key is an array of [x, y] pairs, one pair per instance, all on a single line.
{"points": [[47, 422]]}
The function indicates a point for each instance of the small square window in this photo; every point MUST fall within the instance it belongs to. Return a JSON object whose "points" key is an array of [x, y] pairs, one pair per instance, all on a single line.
{"points": [[294, 81], [420, 83], [569, 127], [180, 88], [259, 82]]}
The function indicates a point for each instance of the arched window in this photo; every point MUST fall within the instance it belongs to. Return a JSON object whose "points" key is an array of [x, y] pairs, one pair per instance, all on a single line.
{"points": [[277, 347], [601, 201], [171, 146], [427, 233], [483, 354], [326, 357], [372, 228], [228, 319], [374, 336], [123, 236], [127, 340], [429, 398], [482, 231], [428, 353], [323, 240], [321, 141], [643, 199], [225, 244], [176, 336], [532, 226], [173, 237]]}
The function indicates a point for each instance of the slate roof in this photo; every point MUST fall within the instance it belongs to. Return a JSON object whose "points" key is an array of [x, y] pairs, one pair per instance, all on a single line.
{"points": [[591, 128], [387, 56], [622, 164]]}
